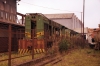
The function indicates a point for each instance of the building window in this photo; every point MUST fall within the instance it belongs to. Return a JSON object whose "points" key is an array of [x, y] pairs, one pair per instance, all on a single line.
{"points": [[10, 17], [6, 16], [1, 14], [14, 18]]}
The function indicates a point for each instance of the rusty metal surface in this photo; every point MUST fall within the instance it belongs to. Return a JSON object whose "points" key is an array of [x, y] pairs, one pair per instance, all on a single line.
{"points": [[33, 44], [22, 17], [20, 14], [9, 40], [34, 61], [9, 19], [18, 33], [3, 43], [4, 37], [9, 46], [8, 6]]}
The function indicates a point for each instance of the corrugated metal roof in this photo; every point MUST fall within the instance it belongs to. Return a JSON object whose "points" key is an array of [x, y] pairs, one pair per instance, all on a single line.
{"points": [[60, 15], [93, 29]]}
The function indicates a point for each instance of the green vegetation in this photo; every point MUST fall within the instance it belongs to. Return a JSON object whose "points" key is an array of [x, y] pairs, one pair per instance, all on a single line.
{"points": [[63, 45]]}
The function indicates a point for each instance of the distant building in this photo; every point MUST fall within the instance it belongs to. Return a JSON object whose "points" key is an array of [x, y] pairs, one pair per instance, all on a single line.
{"points": [[8, 25], [67, 19], [8, 10], [94, 36], [92, 31], [80, 30]]}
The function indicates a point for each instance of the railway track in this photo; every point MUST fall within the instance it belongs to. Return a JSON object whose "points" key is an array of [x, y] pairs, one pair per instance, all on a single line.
{"points": [[50, 61], [15, 57]]}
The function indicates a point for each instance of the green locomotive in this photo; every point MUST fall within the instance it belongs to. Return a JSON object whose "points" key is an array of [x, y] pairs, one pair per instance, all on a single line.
{"points": [[43, 30]]}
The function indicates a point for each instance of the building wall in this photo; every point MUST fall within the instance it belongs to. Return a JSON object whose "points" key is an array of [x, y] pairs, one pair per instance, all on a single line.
{"points": [[71, 23], [76, 22], [8, 10], [4, 33]]}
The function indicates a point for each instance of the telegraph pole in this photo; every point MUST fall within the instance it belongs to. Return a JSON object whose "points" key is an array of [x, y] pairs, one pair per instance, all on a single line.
{"points": [[81, 23], [83, 16]]}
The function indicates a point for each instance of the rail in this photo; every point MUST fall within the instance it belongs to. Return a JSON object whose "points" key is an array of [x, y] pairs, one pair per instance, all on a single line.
{"points": [[32, 61]]}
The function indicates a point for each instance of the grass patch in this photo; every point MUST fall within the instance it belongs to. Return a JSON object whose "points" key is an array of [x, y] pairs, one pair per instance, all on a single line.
{"points": [[18, 60], [80, 57]]}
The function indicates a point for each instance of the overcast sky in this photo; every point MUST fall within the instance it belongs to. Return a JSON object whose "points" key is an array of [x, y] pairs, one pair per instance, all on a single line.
{"points": [[92, 9]]}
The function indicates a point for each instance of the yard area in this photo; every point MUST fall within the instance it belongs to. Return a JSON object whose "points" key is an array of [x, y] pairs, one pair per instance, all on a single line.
{"points": [[18, 60], [80, 57]]}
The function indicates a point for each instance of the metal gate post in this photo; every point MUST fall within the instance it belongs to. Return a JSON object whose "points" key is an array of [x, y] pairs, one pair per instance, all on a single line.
{"points": [[9, 46], [20, 34], [32, 43]]}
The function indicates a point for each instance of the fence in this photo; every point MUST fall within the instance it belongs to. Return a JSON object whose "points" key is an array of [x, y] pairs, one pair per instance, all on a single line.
{"points": [[15, 44], [10, 38]]}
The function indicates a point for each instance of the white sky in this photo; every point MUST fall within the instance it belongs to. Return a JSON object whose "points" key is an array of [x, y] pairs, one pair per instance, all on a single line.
{"points": [[92, 9]]}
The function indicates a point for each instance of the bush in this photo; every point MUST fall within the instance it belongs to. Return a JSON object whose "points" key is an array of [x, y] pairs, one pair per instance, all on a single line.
{"points": [[77, 41], [63, 45]]}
